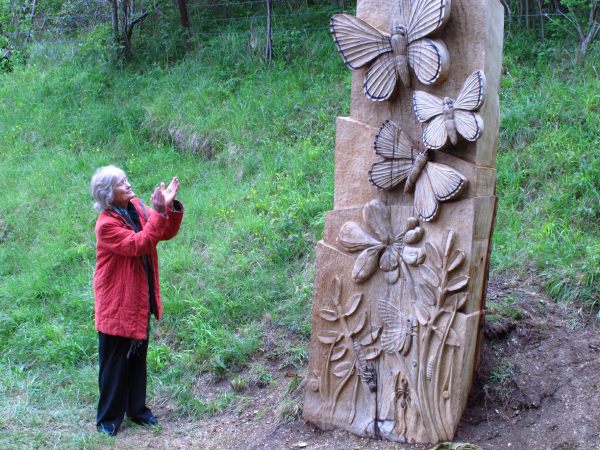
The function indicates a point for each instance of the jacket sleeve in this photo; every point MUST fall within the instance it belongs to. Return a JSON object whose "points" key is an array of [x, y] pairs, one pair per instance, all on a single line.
{"points": [[115, 237], [175, 215]]}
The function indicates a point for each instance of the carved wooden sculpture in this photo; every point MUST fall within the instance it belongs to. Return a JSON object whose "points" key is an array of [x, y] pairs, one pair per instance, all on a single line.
{"points": [[401, 271], [359, 44]]}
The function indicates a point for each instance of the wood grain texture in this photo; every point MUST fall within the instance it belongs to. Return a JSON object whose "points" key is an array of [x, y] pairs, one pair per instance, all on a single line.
{"points": [[398, 301]]}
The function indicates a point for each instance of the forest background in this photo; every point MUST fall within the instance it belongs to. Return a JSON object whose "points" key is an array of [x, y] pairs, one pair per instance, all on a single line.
{"points": [[250, 132]]}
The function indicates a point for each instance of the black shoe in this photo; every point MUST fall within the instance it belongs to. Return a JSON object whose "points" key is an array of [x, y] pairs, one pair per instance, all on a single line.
{"points": [[108, 429], [147, 419]]}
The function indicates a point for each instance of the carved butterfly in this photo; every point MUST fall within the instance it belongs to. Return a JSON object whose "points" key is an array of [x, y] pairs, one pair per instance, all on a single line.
{"points": [[399, 328], [359, 43], [450, 116], [402, 161]]}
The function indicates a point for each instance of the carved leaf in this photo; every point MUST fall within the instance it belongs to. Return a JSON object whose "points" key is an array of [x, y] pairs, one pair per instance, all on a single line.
{"points": [[452, 338], [371, 337], [343, 369], [354, 302], [460, 299], [457, 283], [336, 290], [360, 323], [455, 260], [372, 353], [433, 255], [449, 243], [422, 313], [429, 275], [425, 294], [366, 264], [329, 336], [338, 353], [328, 314]]}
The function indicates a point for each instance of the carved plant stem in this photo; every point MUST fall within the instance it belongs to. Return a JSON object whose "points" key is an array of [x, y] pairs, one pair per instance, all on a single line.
{"points": [[438, 352], [353, 409], [432, 365], [340, 386], [348, 343], [325, 391], [411, 376], [438, 401]]}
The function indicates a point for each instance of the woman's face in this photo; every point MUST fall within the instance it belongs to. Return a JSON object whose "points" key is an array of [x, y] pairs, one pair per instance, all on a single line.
{"points": [[122, 193]]}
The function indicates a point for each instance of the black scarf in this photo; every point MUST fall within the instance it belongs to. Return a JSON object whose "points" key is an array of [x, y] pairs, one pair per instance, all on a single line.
{"points": [[132, 217]]}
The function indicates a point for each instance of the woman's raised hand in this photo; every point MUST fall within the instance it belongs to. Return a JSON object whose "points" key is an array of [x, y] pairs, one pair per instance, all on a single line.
{"points": [[170, 192], [158, 199]]}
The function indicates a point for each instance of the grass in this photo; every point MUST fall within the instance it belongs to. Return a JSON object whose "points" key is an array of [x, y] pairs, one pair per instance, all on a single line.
{"points": [[255, 192]]}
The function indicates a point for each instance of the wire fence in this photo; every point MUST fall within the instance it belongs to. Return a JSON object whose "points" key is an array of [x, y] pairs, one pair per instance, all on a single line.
{"points": [[203, 23]]}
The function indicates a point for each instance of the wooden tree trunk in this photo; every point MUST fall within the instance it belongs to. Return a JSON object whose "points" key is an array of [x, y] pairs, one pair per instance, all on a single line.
{"points": [[125, 29], [185, 22], [269, 45], [395, 338], [114, 7], [541, 13]]}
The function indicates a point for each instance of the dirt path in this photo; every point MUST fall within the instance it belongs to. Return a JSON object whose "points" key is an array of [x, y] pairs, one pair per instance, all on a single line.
{"points": [[537, 387]]}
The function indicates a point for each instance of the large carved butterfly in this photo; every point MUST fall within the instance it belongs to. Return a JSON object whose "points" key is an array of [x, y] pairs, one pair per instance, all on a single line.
{"points": [[359, 43], [402, 161], [399, 328], [451, 116]]}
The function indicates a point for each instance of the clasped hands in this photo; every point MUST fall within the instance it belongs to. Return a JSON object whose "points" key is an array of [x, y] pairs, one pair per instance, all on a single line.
{"points": [[162, 197]]}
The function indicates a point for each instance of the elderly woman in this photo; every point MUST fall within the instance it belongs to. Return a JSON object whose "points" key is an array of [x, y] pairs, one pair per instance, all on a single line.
{"points": [[127, 290]]}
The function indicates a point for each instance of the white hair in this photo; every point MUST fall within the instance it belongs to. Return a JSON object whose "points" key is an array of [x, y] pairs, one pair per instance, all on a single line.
{"points": [[102, 186]]}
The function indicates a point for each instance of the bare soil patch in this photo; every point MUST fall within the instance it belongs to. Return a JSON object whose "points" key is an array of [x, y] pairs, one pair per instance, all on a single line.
{"points": [[537, 387]]}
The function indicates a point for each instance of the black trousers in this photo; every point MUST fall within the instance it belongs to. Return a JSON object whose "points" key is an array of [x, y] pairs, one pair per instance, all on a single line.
{"points": [[122, 382]]}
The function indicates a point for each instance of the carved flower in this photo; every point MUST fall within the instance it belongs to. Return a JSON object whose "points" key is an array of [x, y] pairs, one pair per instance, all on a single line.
{"points": [[378, 244]]}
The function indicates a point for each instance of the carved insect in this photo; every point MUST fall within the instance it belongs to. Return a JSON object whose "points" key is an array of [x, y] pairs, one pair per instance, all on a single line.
{"points": [[402, 391], [447, 117], [399, 328], [359, 44], [432, 182], [366, 371]]}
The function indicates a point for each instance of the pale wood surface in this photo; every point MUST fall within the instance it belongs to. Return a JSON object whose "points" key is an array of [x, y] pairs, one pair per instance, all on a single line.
{"points": [[397, 303]]}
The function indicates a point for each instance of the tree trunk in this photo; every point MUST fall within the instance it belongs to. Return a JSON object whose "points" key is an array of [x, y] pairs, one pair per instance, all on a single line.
{"points": [[185, 22], [33, 5], [269, 46], [541, 12], [125, 29], [115, 17]]}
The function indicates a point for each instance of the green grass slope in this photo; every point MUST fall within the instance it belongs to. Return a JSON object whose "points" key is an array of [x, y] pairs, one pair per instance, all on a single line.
{"points": [[253, 148]]}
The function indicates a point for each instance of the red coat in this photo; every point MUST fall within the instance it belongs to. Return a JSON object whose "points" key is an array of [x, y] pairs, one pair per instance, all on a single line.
{"points": [[121, 300]]}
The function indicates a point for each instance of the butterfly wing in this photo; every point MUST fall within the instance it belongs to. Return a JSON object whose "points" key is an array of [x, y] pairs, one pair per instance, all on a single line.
{"points": [[469, 124], [435, 134], [394, 331], [389, 173], [357, 41], [425, 201], [472, 94], [426, 17], [427, 105], [395, 145], [446, 182], [429, 59], [380, 79], [393, 142]]}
